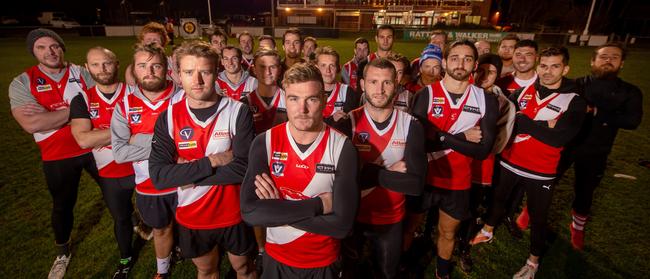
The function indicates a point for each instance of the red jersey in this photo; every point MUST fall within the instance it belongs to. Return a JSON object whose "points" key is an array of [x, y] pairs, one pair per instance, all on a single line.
{"points": [[297, 176], [537, 159], [269, 112], [236, 91], [205, 206], [384, 148], [101, 111], [142, 115], [509, 83], [57, 144], [336, 100], [449, 169], [351, 69]]}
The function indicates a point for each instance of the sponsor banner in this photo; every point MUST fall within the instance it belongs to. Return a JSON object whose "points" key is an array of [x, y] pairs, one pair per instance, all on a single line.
{"points": [[462, 35]]}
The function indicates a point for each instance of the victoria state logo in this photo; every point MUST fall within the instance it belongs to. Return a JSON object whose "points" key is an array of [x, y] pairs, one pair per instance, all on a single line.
{"points": [[135, 118], [186, 133], [253, 108], [437, 111], [363, 137], [40, 81], [277, 169], [523, 103], [94, 113]]}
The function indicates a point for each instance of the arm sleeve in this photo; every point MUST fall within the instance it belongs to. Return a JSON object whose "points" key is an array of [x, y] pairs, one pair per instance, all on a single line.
{"points": [[567, 126], [345, 76], [344, 126], [270, 213], [628, 116], [351, 100], [120, 135], [488, 124], [19, 94], [345, 199], [409, 183], [419, 111], [78, 108]]}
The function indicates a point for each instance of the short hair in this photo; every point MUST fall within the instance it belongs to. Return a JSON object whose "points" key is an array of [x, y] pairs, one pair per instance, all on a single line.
{"points": [[266, 52], [385, 27], [327, 50], [380, 63], [104, 50], [492, 59], [154, 27], [294, 31], [461, 43], [267, 37], [238, 50], [527, 43], [218, 33], [509, 37], [396, 57], [361, 40], [153, 50], [302, 72], [438, 32], [311, 39], [245, 33], [610, 44], [556, 51], [196, 48]]}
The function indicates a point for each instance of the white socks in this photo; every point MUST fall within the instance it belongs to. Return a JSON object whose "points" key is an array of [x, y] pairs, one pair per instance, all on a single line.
{"points": [[163, 264]]}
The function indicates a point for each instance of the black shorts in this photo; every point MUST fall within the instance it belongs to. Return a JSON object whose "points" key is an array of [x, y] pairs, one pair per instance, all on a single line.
{"points": [[157, 211], [277, 270], [237, 239], [453, 202], [421, 203]]}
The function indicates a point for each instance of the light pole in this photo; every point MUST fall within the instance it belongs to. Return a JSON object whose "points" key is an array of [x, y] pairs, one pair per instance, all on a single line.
{"points": [[210, 14], [591, 11], [273, 18]]}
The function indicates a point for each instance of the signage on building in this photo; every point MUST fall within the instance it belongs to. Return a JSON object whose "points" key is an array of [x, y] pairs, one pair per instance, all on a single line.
{"points": [[462, 35]]}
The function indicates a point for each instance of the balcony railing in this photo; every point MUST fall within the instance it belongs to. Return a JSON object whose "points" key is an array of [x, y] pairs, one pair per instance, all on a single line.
{"points": [[376, 4]]}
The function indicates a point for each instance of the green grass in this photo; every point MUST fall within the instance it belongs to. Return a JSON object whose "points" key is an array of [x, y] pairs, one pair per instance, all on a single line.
{"points": [[617, 243]]}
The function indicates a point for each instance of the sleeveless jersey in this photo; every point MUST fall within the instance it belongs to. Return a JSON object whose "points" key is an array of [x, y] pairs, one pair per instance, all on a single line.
{"points": [[142, 115], [336, 100], [237, 92], [57, 144], [297, 176], [101, 111], [384, 148], [403, 99], [269, 112], [449, 169], [351, 69], [509, 83], [205, 206], [538, 160]]}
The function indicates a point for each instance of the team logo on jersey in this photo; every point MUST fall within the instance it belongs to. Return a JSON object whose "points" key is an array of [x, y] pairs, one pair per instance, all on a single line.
{"points": [[253, 108], [398, 143], [523, 103], [94, 105], [339, 104], [41, 88], [74, 79], [186, 133], [187, 145], [437, 111], [325, 168], [281, 110], [94, 113], [471, 109], [302, 166], [40, 81], [277, 169], [136, 118], [553, 107], [400, 103], [221, 134], [281, 156], [135, 109], [438, 100], [527, 97], [363, 137]]}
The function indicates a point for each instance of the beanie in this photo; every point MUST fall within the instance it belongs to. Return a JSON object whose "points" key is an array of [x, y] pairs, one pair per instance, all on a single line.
{"points": [[36, 34], [431, 51]]}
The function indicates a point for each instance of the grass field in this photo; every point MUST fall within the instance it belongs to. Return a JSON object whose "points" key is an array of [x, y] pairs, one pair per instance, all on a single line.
{"points": [[617, 243]]}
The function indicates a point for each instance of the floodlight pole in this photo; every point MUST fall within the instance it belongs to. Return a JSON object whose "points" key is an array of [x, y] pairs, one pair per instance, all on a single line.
{"points": [[273, 18], [591, 11], [210, 14]]}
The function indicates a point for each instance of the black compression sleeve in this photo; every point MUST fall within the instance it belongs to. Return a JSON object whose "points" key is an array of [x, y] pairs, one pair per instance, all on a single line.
{"points": [[419, 111], [567, 126], [351, 100], [345, 199], [78, 108], [272, 212]]}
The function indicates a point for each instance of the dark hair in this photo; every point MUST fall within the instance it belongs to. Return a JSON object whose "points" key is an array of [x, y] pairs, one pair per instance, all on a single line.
{"points": [[461, 43], [218, 33], [361, 40], [266, 37], [385, 27], [509, 37], [229, 47], [556, 51], [527, 43], [294, 31], [380, 63], [610, 44], [396, 57], [153, 49], [492, 59]]}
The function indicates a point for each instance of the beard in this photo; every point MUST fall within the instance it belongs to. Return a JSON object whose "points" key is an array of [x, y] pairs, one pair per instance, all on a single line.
{"points": [[151, 84], [293, 55], [379, 104], [104, 78], [601, 72], [461, 76]]}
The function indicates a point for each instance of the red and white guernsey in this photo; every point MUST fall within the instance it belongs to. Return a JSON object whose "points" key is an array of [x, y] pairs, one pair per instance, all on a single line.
{"points": [[510, 83], [57, 144], [403, 99], [384, 148], [101, 111], [537, 159], [205, 206], [142, 115], [449, 169], [351, 69], [269, 112], [336, 100], [236, 92], [298, 176], [372, 56]]}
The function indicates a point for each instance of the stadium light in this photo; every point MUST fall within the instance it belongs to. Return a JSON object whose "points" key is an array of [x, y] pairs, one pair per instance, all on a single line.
{"points": [[591, 11]]}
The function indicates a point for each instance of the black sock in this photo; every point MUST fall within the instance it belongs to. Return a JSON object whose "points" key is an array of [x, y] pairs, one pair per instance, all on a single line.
{"points": [[442, 266], [63, 249]]}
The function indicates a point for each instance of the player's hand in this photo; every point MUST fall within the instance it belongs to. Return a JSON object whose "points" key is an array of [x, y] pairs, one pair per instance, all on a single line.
{"points": [[551, 123], [473, 134], [326, 198], [367, 191], [399, 166], [338, 115], [220, 159], [31, 109], [265, 187]]}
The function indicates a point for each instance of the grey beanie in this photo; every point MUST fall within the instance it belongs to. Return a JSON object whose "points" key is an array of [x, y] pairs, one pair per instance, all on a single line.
{"points": [[40, 33]]}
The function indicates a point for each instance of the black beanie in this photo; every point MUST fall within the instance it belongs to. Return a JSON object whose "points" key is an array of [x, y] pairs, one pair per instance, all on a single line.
{"points": [[493, 59], [40, 33]]}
